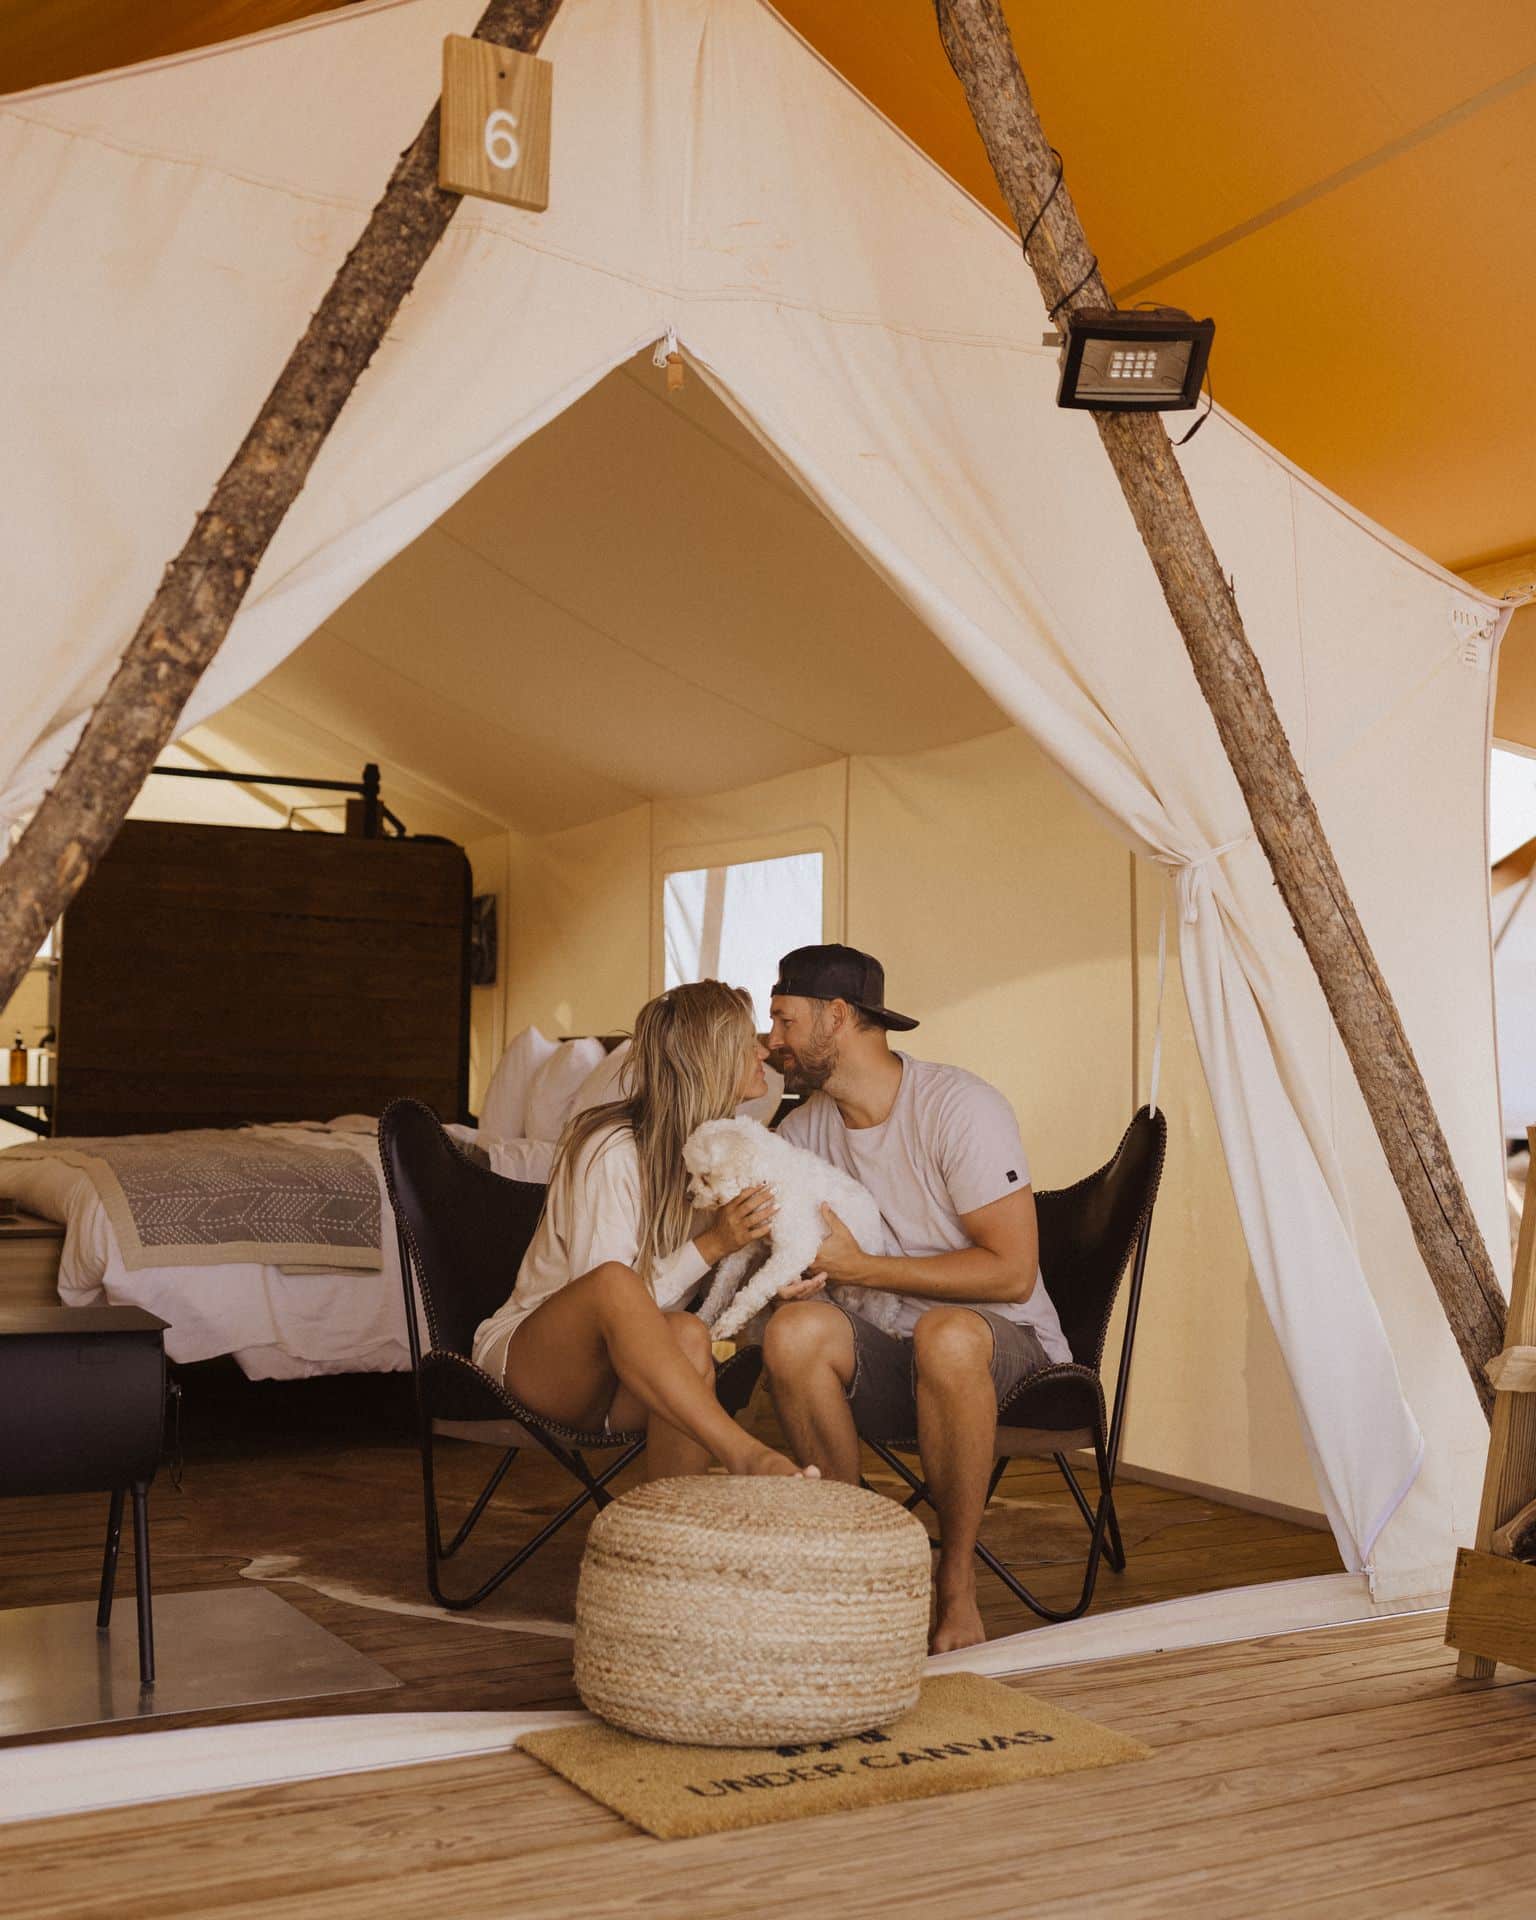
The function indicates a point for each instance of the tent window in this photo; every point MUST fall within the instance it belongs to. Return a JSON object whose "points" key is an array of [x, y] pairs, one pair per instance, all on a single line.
{"points": [[1511, 802], [732, 923]]}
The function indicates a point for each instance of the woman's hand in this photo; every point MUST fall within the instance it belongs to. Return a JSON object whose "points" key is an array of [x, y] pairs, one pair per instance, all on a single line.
{"points": [[739, 1222], [801, 1289]]}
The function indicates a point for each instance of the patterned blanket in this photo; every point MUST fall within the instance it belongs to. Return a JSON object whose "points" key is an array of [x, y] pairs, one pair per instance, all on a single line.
{"points": [[220, 1197]]}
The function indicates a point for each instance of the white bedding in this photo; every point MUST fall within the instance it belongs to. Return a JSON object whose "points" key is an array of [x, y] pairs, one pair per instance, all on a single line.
{"points": [[529, 1160], [278, 1326]]}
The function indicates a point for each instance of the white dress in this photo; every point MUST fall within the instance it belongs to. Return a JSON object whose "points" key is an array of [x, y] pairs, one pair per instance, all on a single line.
{"points": [[589, 1218]]}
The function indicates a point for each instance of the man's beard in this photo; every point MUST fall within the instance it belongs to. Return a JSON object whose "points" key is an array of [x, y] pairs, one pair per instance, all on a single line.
{"points": [[805, 1072]]}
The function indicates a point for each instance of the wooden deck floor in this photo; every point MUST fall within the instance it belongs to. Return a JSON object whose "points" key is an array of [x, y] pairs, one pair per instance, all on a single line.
{"points": [[1344, 1771], [318, 1484]]}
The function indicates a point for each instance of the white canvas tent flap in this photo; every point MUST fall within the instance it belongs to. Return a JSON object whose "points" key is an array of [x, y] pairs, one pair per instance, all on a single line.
{"points": [[167, 233]]}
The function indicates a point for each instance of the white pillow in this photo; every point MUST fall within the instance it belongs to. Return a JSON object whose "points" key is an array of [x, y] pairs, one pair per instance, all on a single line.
{"points": [[554, 1088], [522, 1159], [513, 1159], [603, 1083], [504, 1111]]}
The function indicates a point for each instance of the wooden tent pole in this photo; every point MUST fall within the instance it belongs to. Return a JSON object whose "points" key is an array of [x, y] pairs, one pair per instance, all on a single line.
{"points": [[980, 48], [201, 590]]}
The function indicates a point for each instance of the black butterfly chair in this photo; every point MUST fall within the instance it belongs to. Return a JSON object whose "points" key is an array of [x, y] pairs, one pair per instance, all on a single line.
{"points": [[1089, 1233], [463, 1231]]}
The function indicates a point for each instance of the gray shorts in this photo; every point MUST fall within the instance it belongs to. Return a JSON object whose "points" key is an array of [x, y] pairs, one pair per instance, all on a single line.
{"points": [[883, 1391]]}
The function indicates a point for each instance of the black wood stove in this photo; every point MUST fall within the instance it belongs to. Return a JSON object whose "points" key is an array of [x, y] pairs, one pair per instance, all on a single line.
{"points": [[82, 1410]]}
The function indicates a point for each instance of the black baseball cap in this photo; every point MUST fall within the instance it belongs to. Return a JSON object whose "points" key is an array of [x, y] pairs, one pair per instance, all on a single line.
{"points": [[840, 973]]}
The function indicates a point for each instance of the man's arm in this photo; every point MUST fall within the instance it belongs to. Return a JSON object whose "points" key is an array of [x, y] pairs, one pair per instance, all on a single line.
{"points": [[1000, 1266]]}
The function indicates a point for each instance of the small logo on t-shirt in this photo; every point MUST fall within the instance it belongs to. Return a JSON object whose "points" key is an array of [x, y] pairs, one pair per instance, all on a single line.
{"points": [[1013, 1178]]}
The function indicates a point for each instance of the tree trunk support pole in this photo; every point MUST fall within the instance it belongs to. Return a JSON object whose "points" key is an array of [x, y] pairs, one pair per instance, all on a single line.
{"points": [[976, 38], [201, 590]]}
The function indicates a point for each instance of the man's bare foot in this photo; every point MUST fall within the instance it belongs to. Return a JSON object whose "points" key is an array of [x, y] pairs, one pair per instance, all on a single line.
{"points": [[958, 1625], [766, 1461]]}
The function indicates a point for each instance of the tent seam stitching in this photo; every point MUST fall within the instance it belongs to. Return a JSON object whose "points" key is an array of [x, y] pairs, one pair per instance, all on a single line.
{"points": [[469, 224], [625, 646]]}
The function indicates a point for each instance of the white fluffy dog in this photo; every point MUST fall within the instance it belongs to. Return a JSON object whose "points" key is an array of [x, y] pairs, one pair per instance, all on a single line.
{"points": [[725, 1157]]}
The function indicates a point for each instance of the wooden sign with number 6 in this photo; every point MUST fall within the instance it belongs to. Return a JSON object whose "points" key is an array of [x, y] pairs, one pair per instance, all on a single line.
{"points": [[495, 138]]}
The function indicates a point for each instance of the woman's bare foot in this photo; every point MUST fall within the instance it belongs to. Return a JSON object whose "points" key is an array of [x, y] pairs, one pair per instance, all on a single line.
{"points": [[766, 1461]]}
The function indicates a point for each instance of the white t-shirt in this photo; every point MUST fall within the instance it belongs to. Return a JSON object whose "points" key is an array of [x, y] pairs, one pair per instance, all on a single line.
{"points": [[949, 1145], [590, 1218]]}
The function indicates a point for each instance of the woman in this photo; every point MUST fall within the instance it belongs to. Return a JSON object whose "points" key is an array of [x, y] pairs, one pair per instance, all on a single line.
{"points": [[587, 1337]]}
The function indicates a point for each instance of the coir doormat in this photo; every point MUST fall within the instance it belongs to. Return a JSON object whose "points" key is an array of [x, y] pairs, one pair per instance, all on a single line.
{"points": [[965, 1732]]}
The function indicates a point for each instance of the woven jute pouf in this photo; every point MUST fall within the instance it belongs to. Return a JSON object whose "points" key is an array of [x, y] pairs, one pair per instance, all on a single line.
{"points": [[732, 1612]]}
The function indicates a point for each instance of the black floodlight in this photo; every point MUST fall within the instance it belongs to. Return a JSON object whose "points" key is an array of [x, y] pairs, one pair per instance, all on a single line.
{"points": [[1140, 362]]}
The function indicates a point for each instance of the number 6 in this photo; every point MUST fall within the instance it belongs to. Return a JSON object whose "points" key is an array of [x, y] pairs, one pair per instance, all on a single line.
{"points": [[501, 147]]}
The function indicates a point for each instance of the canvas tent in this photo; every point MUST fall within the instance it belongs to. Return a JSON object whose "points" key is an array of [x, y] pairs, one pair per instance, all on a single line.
{"points": [[168, 231]]}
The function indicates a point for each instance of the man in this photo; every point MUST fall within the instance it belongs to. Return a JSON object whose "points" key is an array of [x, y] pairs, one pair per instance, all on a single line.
{"points": [[940, 1151]]}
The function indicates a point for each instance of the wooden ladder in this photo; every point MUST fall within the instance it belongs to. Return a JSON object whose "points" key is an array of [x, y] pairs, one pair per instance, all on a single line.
{"points": [[1493, 1598]]}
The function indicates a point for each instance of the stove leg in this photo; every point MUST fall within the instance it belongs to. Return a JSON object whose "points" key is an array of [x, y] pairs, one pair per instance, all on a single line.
{"points": [[141, 1582], [109, 1562]]}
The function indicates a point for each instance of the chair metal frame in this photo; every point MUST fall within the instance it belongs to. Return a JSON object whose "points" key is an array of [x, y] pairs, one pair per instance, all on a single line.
{"points": [[505, 1423], [1104, 1537], [497, 1419], [515, 1431]]}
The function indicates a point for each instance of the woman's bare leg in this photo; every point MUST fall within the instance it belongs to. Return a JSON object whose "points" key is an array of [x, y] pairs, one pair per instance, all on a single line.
{"points": [[569, 1358], [669, 1452]]}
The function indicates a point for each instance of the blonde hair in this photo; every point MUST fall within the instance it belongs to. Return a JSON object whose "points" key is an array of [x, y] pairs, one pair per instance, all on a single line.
{"points": [[684, 1067]]}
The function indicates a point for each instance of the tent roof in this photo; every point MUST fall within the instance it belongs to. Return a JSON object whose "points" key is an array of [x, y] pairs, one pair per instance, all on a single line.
{"points": [[663, 581], [1344, 188]]}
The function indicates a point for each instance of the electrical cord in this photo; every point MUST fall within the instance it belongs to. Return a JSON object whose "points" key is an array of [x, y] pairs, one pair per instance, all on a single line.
{"points": [[1072, 292], [1210, 408]]}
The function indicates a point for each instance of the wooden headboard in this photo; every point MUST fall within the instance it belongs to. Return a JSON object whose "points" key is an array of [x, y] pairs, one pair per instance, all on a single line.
{"points": [[212, 975]]}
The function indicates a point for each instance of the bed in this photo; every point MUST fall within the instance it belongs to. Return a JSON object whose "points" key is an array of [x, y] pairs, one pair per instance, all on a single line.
{"points": [[280, 1319]]}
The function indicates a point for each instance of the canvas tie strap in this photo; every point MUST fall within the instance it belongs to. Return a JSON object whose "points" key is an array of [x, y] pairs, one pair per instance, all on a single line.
{"points": [[668, 356], [1157, 1029], [1190, 878]]}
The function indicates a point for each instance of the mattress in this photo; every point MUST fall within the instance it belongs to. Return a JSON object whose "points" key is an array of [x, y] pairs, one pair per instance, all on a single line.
{"points": [[277, 1325]]}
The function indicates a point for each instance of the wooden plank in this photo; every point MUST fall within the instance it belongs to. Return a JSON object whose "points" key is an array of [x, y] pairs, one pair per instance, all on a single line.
{"points": [[1514, 1370], [496, 121], [1493, 1609], [1509, 1483], [1463, 1888]]}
